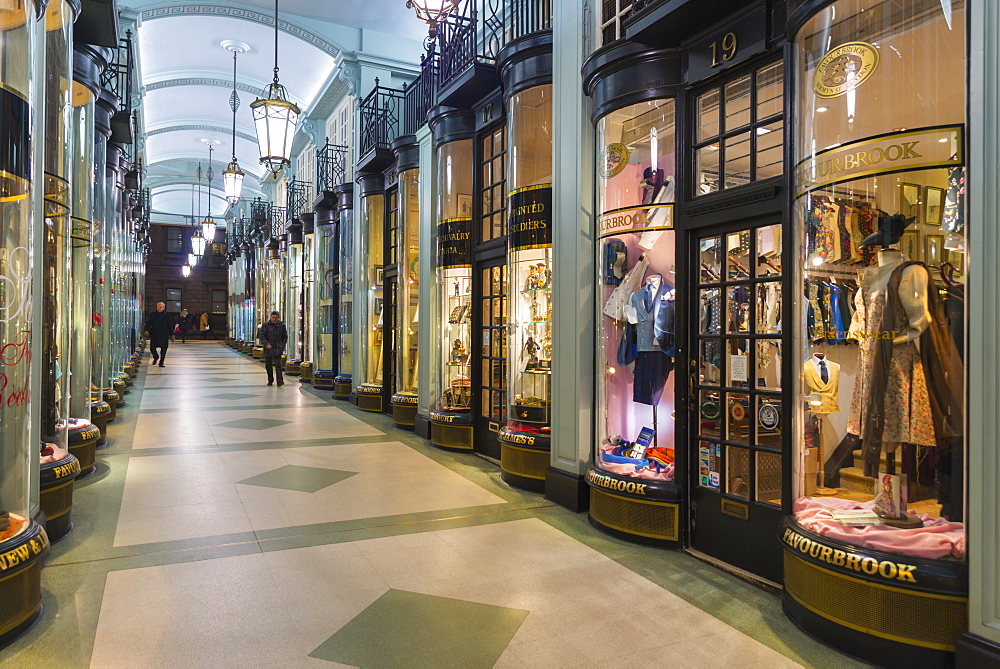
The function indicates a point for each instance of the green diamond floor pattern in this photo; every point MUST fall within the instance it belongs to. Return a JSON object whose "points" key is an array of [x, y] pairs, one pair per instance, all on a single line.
{"points": [[299, 478], [409, 629]]}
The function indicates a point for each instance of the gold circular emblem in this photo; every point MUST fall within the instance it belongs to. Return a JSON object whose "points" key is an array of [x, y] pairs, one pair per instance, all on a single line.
{"points": [[844, 68], [614, 158]]}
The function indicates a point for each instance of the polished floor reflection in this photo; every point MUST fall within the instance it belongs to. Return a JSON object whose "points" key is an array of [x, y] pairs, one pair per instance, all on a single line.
{"points": [[235, 524]]}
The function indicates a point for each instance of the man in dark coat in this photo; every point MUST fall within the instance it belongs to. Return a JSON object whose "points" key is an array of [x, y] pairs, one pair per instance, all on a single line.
{"points": [[273, 336], [159, 328]]}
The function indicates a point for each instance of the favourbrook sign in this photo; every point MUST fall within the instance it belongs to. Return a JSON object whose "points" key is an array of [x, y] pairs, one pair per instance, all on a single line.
{"points": [[884, 154]]}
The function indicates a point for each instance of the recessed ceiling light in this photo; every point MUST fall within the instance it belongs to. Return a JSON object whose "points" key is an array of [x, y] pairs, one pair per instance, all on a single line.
{"points": [[822, 109]]}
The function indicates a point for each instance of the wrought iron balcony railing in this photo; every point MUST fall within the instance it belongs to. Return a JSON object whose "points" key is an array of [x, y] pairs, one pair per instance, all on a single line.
{"points": [[118, 77], [260, 222], [298, 198], [381, 117], [421, 94], [477, 32], [331, 166], [277, 217]]}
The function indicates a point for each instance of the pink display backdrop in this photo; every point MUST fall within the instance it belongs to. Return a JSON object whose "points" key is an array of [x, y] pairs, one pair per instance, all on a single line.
{"points": [[623, 416]]}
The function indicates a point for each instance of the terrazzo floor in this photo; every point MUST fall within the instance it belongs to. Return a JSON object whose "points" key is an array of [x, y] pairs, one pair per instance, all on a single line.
{"points": [[231, 524]]}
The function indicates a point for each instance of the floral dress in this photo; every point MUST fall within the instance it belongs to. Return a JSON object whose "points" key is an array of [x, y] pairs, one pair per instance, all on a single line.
{"points": [[907, 403]]}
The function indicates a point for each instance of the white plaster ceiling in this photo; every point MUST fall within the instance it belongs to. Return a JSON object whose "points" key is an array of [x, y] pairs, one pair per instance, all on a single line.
{"points": [[186, 75]]}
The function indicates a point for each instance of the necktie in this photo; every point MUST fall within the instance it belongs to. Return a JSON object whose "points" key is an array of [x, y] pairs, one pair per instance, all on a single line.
{"points": [[823, 374]]}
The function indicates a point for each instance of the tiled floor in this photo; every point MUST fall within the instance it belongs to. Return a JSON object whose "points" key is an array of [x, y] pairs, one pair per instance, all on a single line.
{"points": [[236, 525]]}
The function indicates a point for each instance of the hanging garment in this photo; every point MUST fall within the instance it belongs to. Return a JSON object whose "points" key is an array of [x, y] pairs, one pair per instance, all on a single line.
{"points": [[614, 262], [652, 369], [619, 298], [890, 400], [642, 312]]}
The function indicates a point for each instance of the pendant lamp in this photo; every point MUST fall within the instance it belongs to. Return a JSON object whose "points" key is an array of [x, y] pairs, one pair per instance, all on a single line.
{"points": [[274, 117], [232, 176], [432, 12], [186, 270]]}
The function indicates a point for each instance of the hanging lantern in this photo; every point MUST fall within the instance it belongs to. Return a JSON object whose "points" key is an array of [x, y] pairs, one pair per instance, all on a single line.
{"points": [[208, 227], [432, 12], [186, 270], [274, 117], [197, 243], [232, 181], [192, 260]]}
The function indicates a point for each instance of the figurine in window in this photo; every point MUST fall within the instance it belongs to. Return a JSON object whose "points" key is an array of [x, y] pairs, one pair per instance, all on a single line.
{"points": [[530, 349], [533, 280], [458, 352]]}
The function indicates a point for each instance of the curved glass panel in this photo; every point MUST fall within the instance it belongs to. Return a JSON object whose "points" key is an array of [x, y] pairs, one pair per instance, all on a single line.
{"points": [[636, 256], [372, 254], [408, 313], [454, 274], [17, 457], [880, 223], [529, 228], [325, 278], [345, 287]]}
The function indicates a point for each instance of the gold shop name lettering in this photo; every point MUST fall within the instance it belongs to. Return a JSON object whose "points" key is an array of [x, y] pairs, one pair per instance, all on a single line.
{"points": [[615, 484], [455, 237], [443, 419], [517, 439], [635, 219], [24, 552], [838, 558], [526, 209], [67, 469], [915, 149], [528, 225]]}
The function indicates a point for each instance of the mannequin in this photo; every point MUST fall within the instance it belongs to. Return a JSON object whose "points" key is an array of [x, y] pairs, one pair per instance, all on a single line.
{"points": [[891, 399], [827, 390]]}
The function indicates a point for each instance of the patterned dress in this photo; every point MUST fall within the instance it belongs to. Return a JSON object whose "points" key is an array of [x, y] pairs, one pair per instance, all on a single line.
{"points": [[907, 404]]}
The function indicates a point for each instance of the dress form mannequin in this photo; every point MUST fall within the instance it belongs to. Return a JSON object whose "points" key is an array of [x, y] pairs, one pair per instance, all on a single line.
{"points": [[913, 299]]}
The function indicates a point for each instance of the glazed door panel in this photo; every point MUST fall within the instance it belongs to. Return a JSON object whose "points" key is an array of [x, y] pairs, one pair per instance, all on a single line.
{"points": [[737, 449], [490, 346]]}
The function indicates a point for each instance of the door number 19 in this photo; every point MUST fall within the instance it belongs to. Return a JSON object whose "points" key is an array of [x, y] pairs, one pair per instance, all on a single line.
{"points": [[723, 50]]}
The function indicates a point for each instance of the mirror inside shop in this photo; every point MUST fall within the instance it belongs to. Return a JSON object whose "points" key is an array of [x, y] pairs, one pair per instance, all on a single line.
{"points": [[879, 202], [636, 261]]}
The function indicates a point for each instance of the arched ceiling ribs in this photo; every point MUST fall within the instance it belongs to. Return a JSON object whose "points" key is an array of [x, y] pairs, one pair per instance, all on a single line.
{"points": [[202, 127], [242, 13], [202, 81]]}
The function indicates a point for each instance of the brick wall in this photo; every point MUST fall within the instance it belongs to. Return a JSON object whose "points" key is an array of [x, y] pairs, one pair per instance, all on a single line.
{"points": [[163, 271]]}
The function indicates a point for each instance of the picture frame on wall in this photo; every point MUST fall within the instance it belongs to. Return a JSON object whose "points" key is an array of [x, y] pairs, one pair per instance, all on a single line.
{"points": [[909, 200], [933, 205], [909, 244], [934, 249], [957, 260]]}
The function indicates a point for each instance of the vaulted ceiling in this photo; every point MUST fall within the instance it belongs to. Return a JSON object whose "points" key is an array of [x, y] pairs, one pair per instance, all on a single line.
{"points": [[186, 74]]}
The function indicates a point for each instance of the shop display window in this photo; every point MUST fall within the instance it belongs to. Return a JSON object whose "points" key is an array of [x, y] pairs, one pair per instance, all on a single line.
{"points": [[880, 216], [529, 259], [408, 314], [17, 458], [636, 263], [308, 286], [326, 276], [739, 130], [372, 255], [454, 274], [345, 286], [293, 287]]}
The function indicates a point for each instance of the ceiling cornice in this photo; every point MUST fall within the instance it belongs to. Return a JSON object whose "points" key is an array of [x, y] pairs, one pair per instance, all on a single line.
{"points": [[243, 14], [200, 81]]}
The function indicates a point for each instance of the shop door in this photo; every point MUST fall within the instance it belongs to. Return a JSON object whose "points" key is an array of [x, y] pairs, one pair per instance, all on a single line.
{"points": [[490, 344], [736, 418]]}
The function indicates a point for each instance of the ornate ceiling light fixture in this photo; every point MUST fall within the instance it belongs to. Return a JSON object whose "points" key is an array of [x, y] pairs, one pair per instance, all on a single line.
{"points": [[432, 12], [274, 117], [232, 176], [209, 225]]}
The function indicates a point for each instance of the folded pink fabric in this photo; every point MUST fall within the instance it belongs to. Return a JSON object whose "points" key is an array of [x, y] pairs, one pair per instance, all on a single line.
{"points": [[938, 537], [624, 469], [56, 454]]}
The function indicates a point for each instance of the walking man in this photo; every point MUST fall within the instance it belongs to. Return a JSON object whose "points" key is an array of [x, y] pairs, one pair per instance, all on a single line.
{"points": [[159, 329], [273, 337]]}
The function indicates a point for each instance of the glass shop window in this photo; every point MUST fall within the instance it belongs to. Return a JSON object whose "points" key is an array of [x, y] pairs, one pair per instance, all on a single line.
{"points": [[739, 130], [879, 188]]}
